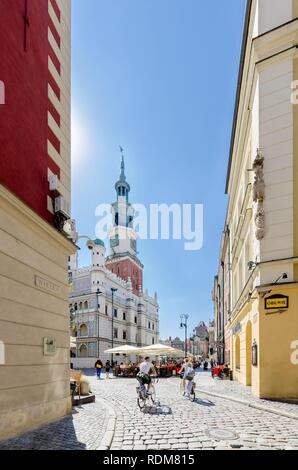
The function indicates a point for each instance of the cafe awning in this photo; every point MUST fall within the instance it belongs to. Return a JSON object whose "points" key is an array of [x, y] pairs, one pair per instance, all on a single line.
{"points": [[125, 349], [157, 350]]}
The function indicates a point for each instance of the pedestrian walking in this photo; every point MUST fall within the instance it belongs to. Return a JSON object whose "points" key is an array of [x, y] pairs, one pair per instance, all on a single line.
{"points": [[108, 369], [98, 367]]}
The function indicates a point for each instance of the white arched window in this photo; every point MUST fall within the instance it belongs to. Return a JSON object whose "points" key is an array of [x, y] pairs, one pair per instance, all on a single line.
{"points": [[83, 350], [83, 330]]}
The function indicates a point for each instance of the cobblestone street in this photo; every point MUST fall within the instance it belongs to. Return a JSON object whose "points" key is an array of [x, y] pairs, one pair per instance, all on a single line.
{"points": [[180, 424], [176, 423]]}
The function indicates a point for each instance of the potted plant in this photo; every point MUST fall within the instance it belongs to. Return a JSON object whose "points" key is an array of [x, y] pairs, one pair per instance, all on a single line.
{"points": [[85, 385]]}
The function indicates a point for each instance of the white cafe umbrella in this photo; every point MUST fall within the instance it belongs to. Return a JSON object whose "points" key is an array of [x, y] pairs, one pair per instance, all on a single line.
{"points": [[125, 349], [157, 350]]}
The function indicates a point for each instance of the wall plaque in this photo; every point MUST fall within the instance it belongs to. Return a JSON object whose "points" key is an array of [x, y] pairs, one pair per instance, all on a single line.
{"points": [[47, 285], [49, 346], [237, 328]]}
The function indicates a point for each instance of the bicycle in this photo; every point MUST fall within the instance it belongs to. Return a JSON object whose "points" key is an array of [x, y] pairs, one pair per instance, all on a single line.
{"points": [[143, 396], [189, 390]]}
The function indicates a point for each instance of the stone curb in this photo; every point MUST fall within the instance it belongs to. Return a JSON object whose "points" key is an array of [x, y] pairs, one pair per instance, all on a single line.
{"points": [[251, 405], [107, 439]]}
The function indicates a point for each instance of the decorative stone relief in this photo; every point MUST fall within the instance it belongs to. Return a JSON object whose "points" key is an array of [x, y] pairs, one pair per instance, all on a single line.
{"points": [[259, 195]]}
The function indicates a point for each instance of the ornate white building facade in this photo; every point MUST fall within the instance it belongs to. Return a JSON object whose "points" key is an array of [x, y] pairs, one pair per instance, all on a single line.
{"points": [[135, 316]]}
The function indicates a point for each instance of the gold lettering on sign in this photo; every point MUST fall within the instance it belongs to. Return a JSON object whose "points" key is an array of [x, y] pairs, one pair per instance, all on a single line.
{"points": [[276, 301], [47, 285]]}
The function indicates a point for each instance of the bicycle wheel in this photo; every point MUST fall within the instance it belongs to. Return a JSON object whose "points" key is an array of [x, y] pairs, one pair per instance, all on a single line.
{"points": [[153, 394], [193, 393], [141, 402]]}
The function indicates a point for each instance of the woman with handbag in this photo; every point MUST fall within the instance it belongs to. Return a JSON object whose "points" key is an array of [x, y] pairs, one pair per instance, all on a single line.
{"points": [[98, 367]]}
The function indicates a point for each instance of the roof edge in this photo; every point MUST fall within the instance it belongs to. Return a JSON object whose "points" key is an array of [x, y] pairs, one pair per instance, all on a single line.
{"points": [[239, 84]]}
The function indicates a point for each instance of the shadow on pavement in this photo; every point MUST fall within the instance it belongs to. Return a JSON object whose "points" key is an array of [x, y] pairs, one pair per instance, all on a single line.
{"points": [[158, 410], [59, 435], [205, 402]]}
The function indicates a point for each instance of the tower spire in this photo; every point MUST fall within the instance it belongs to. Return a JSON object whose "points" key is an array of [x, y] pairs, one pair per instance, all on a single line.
{"points": [[122, 174]]}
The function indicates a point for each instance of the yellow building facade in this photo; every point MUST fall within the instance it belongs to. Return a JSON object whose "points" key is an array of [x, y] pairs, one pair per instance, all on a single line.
{"points": [[260, 319]]}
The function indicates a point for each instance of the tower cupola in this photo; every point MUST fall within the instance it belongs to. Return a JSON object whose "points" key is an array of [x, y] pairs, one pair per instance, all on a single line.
{"points": [[122, 187]]}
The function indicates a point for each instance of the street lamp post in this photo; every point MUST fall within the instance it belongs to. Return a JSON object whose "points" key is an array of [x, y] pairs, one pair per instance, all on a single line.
{"points": [[193, 346], [113, 290], [193, 342], [183, 324]]}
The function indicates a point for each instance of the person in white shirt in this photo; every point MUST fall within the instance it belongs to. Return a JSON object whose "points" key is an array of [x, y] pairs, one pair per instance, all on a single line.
{"points": [[144, 373], [184, 370]]}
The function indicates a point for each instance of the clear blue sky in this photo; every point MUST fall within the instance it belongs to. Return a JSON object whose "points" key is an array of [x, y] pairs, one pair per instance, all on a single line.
{"points": [[158, 77]]}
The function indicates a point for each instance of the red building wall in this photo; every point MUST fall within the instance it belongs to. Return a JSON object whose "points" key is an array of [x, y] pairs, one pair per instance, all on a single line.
{"points": [[24, 131], [126, 269]]}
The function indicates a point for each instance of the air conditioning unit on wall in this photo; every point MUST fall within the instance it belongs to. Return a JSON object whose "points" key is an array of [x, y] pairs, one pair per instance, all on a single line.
{"points": [[62, 207], [55, 184]]}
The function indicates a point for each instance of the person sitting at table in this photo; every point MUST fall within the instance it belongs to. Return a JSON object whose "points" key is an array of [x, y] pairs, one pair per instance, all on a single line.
{"points": [[122, 369]]}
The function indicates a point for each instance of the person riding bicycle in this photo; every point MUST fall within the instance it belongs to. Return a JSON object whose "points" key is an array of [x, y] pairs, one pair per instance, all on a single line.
{"points": [[189, 377], [143, 375], [183, 370]]}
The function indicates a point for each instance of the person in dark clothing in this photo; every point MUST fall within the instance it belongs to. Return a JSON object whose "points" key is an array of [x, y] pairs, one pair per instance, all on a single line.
{"points": [[108, 369], [98, 367]]}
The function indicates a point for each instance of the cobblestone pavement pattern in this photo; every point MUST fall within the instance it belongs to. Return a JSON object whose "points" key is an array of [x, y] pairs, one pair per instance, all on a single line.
{"points": [[83, 430], [176, 423]]}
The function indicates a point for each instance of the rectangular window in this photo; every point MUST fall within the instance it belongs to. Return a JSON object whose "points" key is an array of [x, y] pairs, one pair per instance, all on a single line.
{"points": [[106, 309], [92, 349], [149, 325], [153, 340], [124, 334], [124, 316], [136, 320], [115, 313], [116, 333]]}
